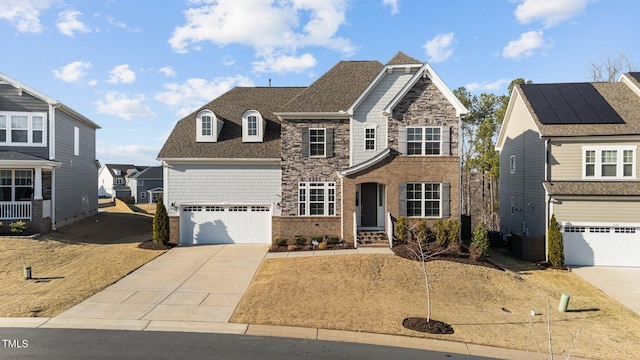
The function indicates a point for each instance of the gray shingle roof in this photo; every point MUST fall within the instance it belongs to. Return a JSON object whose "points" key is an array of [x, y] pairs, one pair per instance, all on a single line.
{"points": [[618, 95], [401, 58], [595, 188], [152, 172], [229, 107], [337, 89], [14, 155]]}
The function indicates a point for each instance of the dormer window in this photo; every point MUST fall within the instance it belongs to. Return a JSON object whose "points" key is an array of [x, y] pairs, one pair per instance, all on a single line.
{"points": [[252, 126], [208, 127]]}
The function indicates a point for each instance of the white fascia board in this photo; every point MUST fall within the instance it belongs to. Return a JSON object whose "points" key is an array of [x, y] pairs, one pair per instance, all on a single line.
{"points": [[17, 164], [312, 115], [426, 70], [505, 121], [167, 161], [366, 164]]}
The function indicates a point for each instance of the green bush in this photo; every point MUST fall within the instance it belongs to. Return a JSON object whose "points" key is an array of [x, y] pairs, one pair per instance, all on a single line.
{"points": [[318, 238], [281, 241], [18, 227], [300, 240], [453, 233], [401, 229], [480, 242], [440, 233], [333, 239], [160, 224], [556, 249], [421, 230]]}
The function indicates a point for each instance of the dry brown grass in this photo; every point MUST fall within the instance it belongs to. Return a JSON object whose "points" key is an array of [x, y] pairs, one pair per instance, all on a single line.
{"points": [[71, 264], [374, 293]]}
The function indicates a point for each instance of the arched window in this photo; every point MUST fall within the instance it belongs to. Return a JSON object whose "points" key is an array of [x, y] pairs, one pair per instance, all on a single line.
{"points": [[207, 126], [252, 126]]}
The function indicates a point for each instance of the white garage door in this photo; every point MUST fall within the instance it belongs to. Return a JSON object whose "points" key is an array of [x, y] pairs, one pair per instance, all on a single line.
{"points": [[601, 245], [235, 224]]}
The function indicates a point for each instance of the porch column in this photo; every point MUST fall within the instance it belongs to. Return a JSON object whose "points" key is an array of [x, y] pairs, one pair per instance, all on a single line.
{"points": [[37, 184]]}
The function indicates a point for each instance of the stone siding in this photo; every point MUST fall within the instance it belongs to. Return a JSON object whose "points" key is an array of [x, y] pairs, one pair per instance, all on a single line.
{"points": [[297, 168], [290, 226]]}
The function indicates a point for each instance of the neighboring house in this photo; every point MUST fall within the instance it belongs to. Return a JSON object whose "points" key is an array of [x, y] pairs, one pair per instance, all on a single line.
{"points": [[146, 185], [570, 149], [363, 144], [112, 179], [47, 159]]}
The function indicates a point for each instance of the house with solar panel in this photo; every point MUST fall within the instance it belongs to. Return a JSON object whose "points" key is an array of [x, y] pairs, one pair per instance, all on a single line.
{"points": [[570, 149]]}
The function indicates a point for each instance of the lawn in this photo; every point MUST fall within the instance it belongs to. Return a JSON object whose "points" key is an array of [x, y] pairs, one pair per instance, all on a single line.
{"points": [[70, 264], [374, 293]]}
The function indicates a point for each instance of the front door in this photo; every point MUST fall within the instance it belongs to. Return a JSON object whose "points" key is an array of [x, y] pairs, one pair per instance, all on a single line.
{"points": [[369, 205]]}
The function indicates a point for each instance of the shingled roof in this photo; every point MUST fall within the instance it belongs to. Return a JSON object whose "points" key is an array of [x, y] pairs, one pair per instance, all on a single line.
{"points": [[229, 107], [619, 96], [401, 58], [337, 89], [595, 188]]}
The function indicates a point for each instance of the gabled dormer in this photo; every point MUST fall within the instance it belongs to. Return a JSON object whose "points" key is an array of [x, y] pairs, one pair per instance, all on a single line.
{"points": [[208, 126], [253, 125]]}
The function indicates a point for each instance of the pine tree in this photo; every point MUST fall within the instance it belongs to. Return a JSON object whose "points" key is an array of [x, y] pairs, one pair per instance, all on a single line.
{"points": [[554, 237], [160, 224]]}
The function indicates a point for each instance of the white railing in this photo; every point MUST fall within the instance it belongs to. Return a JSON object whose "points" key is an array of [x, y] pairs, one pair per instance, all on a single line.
{"points": [[46, 209], [15, 210], [390, 229], [355, 230]]}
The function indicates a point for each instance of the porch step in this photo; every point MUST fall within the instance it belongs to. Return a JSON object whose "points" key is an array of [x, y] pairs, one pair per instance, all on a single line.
{"points": [[373, 239]]}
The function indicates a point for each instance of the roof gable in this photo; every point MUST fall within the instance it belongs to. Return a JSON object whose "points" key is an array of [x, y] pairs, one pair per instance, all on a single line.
{"points": [[401, 58]]}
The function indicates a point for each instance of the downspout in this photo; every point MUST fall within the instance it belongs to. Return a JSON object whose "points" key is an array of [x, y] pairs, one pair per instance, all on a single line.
{"points": [[52, 156], [549, 209]]}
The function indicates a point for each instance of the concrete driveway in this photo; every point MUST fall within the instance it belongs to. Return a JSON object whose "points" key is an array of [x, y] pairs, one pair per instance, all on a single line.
{"points": [[194, 288], [621, 283]]}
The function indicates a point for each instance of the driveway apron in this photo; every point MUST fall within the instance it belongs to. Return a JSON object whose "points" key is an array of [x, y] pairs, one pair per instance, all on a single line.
{"points": [[188, 285], [621, 283]]}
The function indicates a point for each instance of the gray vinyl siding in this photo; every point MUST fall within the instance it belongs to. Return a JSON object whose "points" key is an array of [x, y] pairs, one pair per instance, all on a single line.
{"points": [[147, 185], [525, 186], [222, 183], [369, 112], [77, 177], [11, 100]]}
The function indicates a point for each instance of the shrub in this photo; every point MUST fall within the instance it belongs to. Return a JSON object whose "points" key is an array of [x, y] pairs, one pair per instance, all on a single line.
{"points": [[556, 250], [322, 246], [281, 241], [440, 233], [18, 227], [333, 239], [160, 224], [300, 240], [421, 230], [401, 229], [318, 238], [480, 242], [453, 235]]}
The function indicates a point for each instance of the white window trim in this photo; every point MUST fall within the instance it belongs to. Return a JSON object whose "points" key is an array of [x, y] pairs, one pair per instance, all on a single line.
{"points": [[619, 162], [76, 141], [30, 129], [324, 143], [424, 201], [259, 136], [424, 141], [375, 137], [119, 181], [140, 182], [512, 164], [326, 186], [13, 185], [213, 137], [143, 194]]}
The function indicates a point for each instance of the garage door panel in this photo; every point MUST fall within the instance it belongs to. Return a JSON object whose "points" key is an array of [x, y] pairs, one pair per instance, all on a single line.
{"points": [[225, 224], [601, 246]]}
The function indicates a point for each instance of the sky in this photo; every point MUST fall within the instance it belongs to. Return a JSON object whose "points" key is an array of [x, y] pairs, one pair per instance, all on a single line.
{"points": [[136, 67]]}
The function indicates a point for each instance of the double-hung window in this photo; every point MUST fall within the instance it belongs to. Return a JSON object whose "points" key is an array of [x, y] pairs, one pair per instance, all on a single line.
{"points": [[370, 138], [609, 162], [424, 140], [317, 142], [252, 125], [22, 128], [206, 125], [423, 199], [316, 198], [16, 185]]}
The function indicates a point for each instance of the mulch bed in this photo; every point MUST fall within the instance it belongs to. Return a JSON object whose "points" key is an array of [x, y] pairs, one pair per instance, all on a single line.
{"points": [[150, 245], [409, 251], [431, 326], [547, 265]]}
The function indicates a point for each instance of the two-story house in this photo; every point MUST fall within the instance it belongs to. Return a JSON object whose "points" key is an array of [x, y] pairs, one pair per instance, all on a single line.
{"points": [[112, 179], [364, 143], [48, 167], [570, 149], [146, 185]]}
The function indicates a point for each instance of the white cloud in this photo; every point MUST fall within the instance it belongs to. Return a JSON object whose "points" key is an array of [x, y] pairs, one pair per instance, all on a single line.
{"points": [[550, 13], [439, 48], [284, 64], [24, 14], [487, 85], [393, 4], [128, 108], [68, 23], [72, 72], [125, 154], [524, 46], [194, 93], [271, 28], [228, 60], [167, 71], [122, 74]]}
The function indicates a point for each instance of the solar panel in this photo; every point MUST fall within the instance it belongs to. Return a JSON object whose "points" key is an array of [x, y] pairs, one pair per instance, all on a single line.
{"points": [[635, 75], [570, 103]]}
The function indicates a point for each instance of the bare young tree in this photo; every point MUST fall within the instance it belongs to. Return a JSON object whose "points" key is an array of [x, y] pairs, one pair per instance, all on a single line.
{"points": [[610, 69]]}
